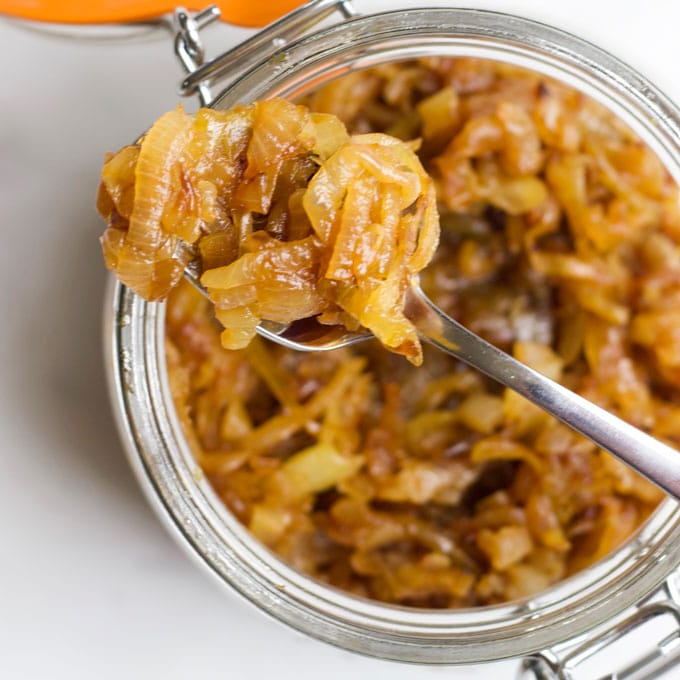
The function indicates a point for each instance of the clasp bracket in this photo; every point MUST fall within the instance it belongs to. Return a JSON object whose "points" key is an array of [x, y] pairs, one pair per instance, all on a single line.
{"points": [[204, 75]]}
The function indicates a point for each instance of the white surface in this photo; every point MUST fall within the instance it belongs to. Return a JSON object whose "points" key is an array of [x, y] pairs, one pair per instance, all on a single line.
{"points": [[91, 586]]}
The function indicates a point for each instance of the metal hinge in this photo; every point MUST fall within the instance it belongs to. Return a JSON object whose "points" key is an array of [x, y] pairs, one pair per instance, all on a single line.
{"points": [[203, 75], [568, 662], [188, 44]]}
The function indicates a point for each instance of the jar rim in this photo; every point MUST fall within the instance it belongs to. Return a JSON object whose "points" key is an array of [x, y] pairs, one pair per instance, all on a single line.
{"points": [[161, 456]]}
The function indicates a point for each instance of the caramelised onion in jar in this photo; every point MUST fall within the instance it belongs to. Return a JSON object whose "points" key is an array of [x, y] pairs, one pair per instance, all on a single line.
{"points": [[433, 486]]}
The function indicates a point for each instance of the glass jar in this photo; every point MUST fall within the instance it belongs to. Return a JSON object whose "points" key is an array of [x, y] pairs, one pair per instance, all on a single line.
{"points": [[553, 630]]}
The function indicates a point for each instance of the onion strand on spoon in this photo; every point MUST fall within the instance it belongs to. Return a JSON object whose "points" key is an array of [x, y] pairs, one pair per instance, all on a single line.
{"points": [[291, 218]]}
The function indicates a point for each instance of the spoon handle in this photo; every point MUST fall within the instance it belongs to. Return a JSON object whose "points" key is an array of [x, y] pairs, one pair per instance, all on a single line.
{"points": [[659, 463]]}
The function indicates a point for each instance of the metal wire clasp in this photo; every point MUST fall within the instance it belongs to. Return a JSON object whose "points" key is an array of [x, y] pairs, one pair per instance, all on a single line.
{"points": [[566, 664], [204, 75], [188, 44]]}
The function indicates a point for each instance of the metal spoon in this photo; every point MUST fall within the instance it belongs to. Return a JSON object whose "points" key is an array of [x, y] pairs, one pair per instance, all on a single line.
{"points": [[656, 461]]}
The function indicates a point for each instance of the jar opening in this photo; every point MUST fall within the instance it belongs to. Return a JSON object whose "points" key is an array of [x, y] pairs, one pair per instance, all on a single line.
{"points": [[157, 443]]}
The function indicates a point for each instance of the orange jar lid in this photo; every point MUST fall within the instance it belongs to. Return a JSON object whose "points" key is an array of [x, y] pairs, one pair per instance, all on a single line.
{"points": [[239, 12]]}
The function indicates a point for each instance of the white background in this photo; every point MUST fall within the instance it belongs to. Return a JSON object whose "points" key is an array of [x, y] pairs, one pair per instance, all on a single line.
{"points": [[91, 586]]}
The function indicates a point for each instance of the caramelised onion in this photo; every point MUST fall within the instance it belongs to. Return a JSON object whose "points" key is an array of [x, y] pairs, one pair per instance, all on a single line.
{"points": [[291, 218], [374, 209], [432, 486]]}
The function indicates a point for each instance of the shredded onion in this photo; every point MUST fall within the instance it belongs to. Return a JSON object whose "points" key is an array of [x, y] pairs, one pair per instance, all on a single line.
{"points": [[560, 243]]}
